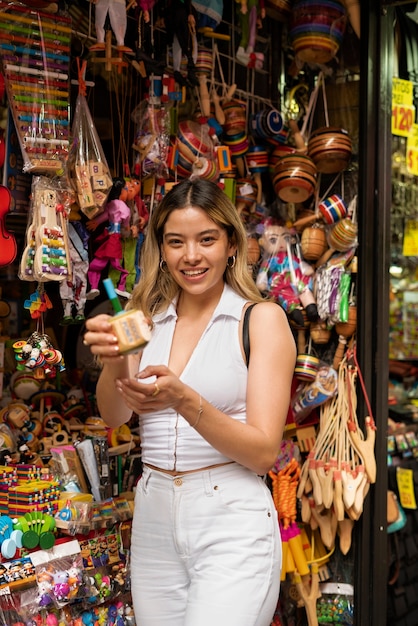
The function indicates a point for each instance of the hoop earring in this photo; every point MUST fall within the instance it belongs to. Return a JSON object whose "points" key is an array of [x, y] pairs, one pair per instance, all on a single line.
{"points": [[231, 261], [163, 266]]}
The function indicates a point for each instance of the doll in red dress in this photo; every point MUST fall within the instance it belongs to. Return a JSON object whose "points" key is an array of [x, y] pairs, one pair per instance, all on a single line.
{"points": [[118, 215]]}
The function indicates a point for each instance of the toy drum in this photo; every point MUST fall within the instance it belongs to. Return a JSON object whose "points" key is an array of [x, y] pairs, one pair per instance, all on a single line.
{"points": [[306, 367], [332, 209], [235, 117], [313, 242], [316, 29], [330, 149], [343, 235], [294, 178], [257, 159], [278, 152]]}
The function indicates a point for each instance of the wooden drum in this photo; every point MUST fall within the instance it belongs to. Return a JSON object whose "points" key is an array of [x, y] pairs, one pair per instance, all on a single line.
{"points": [[330, 149], [316, 29]]}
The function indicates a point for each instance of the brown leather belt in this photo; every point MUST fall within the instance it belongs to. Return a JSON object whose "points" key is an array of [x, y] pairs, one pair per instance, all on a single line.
{"points": [[179, 473]]}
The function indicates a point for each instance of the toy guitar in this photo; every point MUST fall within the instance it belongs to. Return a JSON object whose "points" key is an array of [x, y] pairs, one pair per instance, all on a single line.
{"points": [[8, 247]]}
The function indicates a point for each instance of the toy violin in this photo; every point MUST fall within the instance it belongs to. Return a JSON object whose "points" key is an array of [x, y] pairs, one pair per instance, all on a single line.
{"points": [[8, 247]]}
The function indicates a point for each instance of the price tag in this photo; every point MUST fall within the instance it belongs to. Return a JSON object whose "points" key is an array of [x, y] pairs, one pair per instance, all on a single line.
{"points": [[402, 91], [410, 238], [412, 151], [405, 480], [403, 118], [412, 161]]}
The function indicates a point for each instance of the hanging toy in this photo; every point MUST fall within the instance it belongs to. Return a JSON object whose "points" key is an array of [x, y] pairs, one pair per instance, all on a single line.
{"points": [[37, 352], [116, 9], [73, 288], [118, 215], [251, 14], [38, 303], [180, 24], [283, 276]]}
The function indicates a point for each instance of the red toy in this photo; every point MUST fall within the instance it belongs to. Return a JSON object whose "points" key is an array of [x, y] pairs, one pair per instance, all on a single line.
{"points": [[118, 214]]}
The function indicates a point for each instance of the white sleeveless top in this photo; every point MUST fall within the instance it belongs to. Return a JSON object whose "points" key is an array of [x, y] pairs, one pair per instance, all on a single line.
{"points": [[216, 370]]}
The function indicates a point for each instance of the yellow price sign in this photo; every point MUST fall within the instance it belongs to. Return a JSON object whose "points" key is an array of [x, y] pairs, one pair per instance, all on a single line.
{"points": [[412, 161], [413, 137], [405, 481], [410, 238], [403, 118], [402, 91]]}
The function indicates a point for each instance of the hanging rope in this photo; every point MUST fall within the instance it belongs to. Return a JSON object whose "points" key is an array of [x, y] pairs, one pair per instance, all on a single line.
{"points": [[81, 75]]}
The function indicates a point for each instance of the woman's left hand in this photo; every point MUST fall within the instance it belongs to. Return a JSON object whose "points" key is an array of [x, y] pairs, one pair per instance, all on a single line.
{"points": [[145, 396]]}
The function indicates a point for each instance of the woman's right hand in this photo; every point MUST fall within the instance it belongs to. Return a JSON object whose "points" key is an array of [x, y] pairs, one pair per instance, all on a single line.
{"points": [[100, 338]]}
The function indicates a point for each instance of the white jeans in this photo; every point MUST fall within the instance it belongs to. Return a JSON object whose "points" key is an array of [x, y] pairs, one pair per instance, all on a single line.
{"points": [[205, 550]]}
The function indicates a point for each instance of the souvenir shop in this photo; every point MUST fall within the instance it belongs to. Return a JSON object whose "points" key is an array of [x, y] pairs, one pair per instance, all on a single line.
{"points": [[304, 112]]}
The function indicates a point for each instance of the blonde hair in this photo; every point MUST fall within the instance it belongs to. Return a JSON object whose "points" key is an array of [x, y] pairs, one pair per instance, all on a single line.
{"points": [[156, 288]]}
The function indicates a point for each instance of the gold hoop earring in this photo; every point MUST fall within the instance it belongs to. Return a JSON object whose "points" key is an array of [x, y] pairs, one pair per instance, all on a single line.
{"points": [[163, 266], [231, 261]]}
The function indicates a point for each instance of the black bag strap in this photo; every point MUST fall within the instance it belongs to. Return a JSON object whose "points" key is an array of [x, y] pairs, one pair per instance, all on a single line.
{"points": [[246, 332]]}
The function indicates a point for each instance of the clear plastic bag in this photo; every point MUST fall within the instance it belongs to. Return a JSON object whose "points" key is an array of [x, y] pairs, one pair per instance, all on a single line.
{"points": [[152, 138], [46, 255], [87, 167]]}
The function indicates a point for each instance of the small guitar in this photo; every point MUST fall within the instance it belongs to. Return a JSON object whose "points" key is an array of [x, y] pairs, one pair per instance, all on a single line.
{"points": [[8, 247]]}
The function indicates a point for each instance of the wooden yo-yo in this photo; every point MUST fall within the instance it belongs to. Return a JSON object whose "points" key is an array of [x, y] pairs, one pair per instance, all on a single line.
{"points": [[345, 330], [294, 178], [313, 242], [306, 367], [330, 149]]}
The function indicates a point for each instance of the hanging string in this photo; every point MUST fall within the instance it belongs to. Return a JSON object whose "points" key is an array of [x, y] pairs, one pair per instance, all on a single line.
{"points": [[363, 386], [81, 74], [311, 107], [324, 95]]}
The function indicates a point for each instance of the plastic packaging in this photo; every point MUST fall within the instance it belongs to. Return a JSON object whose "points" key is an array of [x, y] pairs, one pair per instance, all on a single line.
{"points": [[87, 167]]}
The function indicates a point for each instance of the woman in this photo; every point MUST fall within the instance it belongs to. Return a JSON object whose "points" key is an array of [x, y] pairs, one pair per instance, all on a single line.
{"points": [[205, 538]]}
